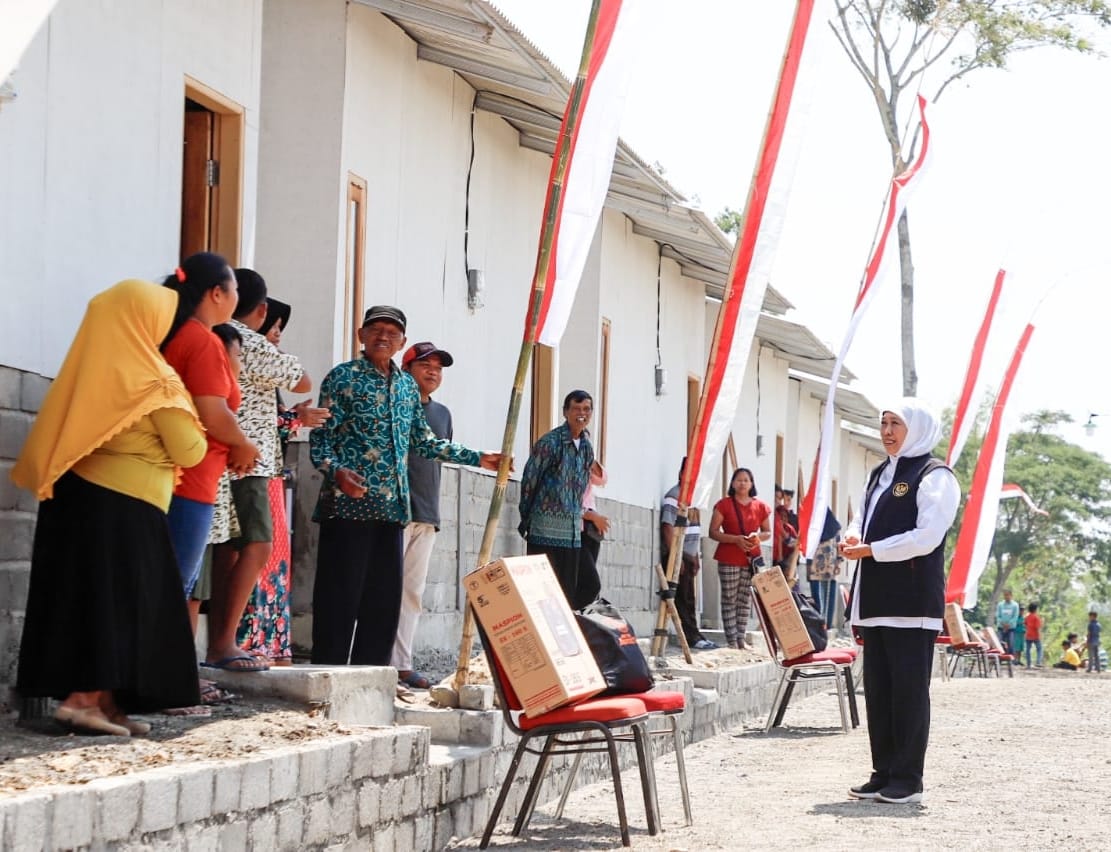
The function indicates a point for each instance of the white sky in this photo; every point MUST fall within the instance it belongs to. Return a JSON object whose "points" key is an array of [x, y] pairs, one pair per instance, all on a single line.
{"points": [[1017, 182]]}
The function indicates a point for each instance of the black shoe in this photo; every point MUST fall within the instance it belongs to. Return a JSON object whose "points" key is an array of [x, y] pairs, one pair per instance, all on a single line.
{"points": [[867, 791], [895, 796]]}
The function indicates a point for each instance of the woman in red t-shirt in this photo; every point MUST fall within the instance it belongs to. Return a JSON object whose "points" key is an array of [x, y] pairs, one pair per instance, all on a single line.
{"points": [[207, 296], [739, 523]]}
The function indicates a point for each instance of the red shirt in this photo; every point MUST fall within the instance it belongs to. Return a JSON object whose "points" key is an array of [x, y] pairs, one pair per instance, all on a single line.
{"points": [[752, 516], [1033, 627], [201, 360]]}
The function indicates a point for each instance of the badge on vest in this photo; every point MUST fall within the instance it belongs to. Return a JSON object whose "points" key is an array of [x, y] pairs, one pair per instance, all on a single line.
{"points": [[900, 489]]}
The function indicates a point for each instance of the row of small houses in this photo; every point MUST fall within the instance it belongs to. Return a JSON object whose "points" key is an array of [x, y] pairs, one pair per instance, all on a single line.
{"points": [[380, 151]]}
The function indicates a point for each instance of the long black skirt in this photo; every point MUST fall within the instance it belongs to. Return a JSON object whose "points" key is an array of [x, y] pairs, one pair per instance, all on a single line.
{"points": [[105, 609]]}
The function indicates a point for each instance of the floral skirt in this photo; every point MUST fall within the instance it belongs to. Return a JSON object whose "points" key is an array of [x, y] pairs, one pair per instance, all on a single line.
{"points": [[264, 628]]}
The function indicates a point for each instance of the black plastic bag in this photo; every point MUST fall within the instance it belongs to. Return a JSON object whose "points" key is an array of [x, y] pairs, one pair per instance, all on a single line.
{"points": [[614, 646], [813, 620]]}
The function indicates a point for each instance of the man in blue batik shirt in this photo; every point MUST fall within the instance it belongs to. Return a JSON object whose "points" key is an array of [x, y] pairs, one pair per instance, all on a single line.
{"points": [[362, 451]]}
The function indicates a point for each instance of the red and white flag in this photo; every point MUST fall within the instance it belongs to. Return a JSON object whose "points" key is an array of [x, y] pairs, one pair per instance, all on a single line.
{"points": [[590, 143], [1011, 490], [753, 256], [970, 556], [812, 512], [973, 389]]}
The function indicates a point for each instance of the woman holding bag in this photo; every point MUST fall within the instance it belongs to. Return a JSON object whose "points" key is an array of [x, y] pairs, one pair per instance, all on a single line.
{"points": [[739, 523]]}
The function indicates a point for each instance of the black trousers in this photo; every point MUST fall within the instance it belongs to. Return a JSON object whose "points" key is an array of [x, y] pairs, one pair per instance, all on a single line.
{"points": [[356, 597], [686, 599], [565, 563], [588, 584], [897, 665]]}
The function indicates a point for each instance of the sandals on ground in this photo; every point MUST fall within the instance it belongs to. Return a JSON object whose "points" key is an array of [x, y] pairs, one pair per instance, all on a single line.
{"points": [[414, 680]]}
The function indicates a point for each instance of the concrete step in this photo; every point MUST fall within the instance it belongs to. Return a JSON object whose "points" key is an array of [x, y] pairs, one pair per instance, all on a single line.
{"points": [[357, 695]]}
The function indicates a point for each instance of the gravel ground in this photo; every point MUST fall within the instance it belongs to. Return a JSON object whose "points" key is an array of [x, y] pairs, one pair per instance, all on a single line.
{"points": [[1022, 763]]}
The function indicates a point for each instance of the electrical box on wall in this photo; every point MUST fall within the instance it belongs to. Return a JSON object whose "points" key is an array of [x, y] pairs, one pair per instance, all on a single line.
{"points": [[476, 283]]}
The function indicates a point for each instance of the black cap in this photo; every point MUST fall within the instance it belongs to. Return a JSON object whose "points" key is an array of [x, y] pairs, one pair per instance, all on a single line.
{"points": [[385, 312], [275, 310], [425, 349]]}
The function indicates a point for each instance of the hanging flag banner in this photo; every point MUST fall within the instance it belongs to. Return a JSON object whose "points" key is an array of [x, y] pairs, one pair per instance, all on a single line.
{"points": [[812, 512], [1012, 490], [589, 145], [753, 256], [973, 389], [593, 90], [970, 556]]}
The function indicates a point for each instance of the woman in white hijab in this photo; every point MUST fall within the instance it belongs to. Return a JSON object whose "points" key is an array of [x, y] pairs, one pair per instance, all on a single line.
{"points": [[898, 597]]}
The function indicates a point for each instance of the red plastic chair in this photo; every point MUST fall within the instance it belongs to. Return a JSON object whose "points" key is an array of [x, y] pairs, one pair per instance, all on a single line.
{"points": [[834, 662], [660, 705], [588, 727]]}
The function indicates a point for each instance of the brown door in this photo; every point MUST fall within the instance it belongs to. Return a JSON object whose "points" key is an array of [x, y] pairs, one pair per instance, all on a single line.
{"points": [[196, 180]]}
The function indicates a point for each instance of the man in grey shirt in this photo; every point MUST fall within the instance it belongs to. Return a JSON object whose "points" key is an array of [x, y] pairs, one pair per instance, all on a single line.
{"points": [[425, 363], [685, 595]]}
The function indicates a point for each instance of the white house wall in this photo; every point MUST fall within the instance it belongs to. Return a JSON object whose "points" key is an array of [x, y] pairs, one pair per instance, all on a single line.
{"points": [[91, 154], [407, 127], [300, 172]]}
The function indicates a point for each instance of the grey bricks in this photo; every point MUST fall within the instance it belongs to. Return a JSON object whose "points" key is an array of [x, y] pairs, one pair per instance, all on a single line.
{"points": [[283, 777], [229, 780], [195, 795], [254, 791], [158, 810], [72, 823], [117, 807]]}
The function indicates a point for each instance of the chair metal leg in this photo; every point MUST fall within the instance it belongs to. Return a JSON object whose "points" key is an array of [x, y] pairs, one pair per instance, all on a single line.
{"points": [[571, 775], [775, 701], [618, 793], [850, 687], [677, 735], [842, 700], [533, 792], [647, 777], [788, 691], [511, 774]]}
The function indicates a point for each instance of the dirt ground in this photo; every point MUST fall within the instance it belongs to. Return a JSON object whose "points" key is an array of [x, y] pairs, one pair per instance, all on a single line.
{"points": [[46, 755], [1022, 763]]}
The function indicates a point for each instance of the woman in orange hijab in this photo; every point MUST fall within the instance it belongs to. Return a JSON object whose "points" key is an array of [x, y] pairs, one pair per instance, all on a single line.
{"points": [[106, 630]]}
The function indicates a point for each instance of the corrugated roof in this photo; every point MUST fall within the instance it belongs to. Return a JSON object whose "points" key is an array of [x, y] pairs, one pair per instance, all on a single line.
{"points": [[851, 405], [515, 80], [798, 346]]}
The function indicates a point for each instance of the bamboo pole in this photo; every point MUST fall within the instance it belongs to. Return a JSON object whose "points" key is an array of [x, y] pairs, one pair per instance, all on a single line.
{"points": [[715, 347], [539, 283]]}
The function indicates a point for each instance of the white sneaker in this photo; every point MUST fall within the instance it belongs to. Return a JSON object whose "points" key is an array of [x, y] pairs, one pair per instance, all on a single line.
{"points": [[896, 798]]}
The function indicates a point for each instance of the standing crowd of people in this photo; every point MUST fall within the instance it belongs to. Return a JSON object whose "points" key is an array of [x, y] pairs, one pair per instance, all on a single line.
{"points": [[158, 458]]}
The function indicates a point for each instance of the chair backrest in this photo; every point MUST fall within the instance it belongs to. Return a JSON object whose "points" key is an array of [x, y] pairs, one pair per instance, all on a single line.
{"points": [[765, 627], [509, 699]]}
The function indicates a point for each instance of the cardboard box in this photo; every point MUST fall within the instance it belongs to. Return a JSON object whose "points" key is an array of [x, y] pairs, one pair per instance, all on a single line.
{"points": [[993, 639], [954, 624], [534, 634], [783, 613]]}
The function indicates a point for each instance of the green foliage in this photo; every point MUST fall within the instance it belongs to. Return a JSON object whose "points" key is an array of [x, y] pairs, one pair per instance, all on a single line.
{"points": [[1063, 561], [729, 220]]}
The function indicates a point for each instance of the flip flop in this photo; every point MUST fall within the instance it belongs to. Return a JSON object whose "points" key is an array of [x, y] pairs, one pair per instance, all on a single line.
{"points": [[248, 664], [415, 680], [198, 711], [212, 694]]}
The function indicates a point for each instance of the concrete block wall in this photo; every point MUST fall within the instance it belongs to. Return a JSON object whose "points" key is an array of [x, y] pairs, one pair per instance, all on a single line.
{"points": [[626, 560], [21, 394], [413, 786]]}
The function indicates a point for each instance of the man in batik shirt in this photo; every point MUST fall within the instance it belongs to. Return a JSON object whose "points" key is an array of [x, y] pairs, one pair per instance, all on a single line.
{"points": [[552, 486], [362, 452]]}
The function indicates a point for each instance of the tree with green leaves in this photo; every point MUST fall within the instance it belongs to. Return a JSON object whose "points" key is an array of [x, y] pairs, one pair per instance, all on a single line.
{"points": [[729, 220], [1063, 560], [900, 47]]}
